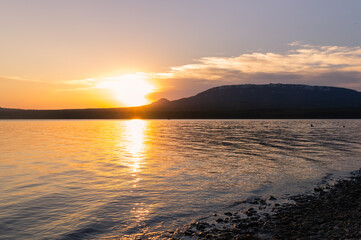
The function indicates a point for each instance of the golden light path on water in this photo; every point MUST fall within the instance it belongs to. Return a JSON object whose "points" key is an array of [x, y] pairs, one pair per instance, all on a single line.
{"points": [[135, 150], [135, 142]]}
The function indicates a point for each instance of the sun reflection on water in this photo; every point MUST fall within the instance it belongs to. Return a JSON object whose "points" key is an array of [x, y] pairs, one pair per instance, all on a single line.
{"points": [[135, 143], [134, 139]]}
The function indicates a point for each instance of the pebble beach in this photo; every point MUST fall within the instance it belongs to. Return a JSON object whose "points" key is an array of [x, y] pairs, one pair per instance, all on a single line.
{"points": [[330, 212]]}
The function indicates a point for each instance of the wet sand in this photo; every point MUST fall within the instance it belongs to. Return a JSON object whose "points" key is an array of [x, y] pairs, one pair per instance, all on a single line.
{"points": [[331, 212]]}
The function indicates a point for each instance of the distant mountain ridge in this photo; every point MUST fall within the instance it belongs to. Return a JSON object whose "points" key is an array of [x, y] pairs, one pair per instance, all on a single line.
{"points": [[230, 101], [270, 96]]}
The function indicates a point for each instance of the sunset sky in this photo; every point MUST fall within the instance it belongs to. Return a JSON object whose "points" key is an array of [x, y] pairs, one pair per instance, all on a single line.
{"points": [[111, 53]]}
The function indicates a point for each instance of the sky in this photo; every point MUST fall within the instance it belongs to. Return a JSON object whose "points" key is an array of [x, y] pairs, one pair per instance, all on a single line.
{"points": [[112, 53]]}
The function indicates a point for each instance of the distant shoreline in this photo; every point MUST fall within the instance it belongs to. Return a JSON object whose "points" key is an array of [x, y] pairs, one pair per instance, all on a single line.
{"points": [[142, 113]]}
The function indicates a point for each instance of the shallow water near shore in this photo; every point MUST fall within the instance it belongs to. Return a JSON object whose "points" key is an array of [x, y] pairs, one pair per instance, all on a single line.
{"points": [[91, 179]]}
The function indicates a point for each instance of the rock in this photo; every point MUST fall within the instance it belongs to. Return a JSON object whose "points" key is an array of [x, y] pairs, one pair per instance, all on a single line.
{"points": [[188, 232], [272, 198], [228, 214], [201, 225], [252, 200], [219, 220], [250, 211]]}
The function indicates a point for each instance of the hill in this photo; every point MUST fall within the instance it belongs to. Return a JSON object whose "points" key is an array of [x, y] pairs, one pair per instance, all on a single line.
{"points": [[271, 96]]}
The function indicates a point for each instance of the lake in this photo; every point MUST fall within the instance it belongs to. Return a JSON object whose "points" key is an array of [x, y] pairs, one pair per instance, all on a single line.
{"points": [[93, 179]]}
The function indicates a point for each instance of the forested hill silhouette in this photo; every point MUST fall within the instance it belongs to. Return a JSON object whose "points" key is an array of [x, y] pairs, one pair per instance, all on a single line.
{"points": [[270, 96], [231, 101]]}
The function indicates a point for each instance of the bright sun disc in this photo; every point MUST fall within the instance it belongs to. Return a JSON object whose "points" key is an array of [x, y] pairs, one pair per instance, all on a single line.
{"points": [[130, 89]]}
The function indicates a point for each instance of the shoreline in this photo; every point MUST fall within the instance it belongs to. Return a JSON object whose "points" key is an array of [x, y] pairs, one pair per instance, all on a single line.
{"points": [[330, 212]]}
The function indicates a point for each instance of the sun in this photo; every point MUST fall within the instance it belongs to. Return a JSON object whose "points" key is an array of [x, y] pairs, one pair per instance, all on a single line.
{"points": [[129, 89]]}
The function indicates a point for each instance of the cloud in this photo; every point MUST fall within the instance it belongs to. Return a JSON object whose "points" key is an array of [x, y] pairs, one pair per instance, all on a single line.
{"points": [[84, 82], [14, 78], [304, 58]]}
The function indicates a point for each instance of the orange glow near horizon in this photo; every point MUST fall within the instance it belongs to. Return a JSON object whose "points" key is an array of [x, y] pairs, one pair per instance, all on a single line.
{"points": [[129, 89], [303, 64]]}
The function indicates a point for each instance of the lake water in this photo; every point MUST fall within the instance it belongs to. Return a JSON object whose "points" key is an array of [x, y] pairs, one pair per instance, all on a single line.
{"points": [[93, 179]]}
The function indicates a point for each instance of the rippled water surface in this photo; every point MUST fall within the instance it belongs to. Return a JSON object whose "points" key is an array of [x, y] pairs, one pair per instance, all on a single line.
{"points": [[92, 179]]}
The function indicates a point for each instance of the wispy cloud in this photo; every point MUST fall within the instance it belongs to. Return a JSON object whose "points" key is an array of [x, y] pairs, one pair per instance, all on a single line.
{"points": [[9, 78], [85, 82], [303, 58]]}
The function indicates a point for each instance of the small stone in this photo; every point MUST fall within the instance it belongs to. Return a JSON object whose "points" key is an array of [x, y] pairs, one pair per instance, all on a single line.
{"points": [[272, 198], [201, 226], [252, 200], [219, 220], [188, 232], [228, 213], [250, 211]]}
